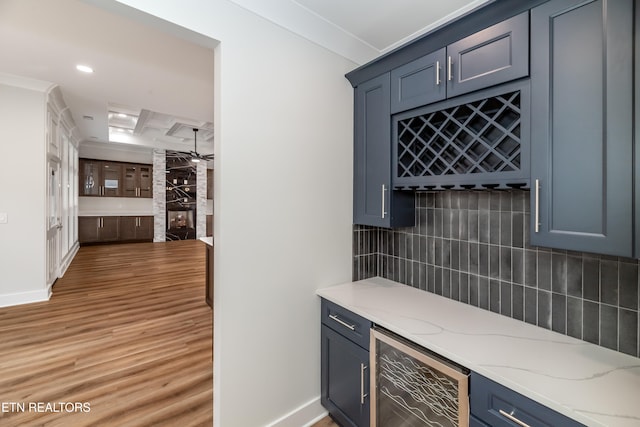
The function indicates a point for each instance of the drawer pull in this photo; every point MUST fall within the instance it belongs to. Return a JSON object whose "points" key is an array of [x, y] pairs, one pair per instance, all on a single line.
{"points": [[342, 322], [512, 418], [362, 393]]}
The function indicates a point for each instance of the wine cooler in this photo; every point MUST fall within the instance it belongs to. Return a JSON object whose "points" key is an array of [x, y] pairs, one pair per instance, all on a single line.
{"points": [[411, 387]]}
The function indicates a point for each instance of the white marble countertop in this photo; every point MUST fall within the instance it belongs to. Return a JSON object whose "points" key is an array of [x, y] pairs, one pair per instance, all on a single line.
{"points": [[119, 213], [207, 240], [591, 384]]}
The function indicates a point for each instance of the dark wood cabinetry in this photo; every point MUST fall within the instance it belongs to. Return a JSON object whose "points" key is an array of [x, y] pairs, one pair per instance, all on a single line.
{"points": [[109, 229], [345, 365], [582, 124], [94, 229], [115, 179], [137, 180], [136, 228]]}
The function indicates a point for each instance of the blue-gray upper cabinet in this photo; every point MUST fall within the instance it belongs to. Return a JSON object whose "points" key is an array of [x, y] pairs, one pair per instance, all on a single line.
{"points": [[375, 203], [419, 82], [495, 55], [489, 57], [581, 132]]}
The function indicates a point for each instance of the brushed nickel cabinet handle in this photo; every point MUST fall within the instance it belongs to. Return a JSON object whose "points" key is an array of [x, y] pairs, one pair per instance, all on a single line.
{"points": [[384, 210], [449, 68], [342, 322], [362, 393], [513, 419], [438, 73], [536, 224]]}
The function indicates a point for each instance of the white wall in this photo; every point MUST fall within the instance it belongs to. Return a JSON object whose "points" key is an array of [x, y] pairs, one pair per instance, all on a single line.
{"points": [[282, 207], [23, 192]]}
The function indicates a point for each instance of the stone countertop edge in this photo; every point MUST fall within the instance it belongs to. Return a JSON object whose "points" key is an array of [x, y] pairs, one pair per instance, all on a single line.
{"points": [[588, 383], [118, 213], [207, 240]]}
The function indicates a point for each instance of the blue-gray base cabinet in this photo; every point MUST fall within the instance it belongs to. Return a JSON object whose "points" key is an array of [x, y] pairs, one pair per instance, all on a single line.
{"points": [[582, 124], [345, 365], [495, 405]]}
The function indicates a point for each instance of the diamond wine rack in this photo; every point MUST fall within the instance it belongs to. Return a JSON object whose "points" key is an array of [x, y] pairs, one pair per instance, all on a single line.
{"points": [[465, 143]]}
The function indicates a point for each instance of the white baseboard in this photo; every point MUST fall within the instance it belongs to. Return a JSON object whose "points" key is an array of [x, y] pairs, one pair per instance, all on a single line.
{"points": [[305, 415], [8, 300]]}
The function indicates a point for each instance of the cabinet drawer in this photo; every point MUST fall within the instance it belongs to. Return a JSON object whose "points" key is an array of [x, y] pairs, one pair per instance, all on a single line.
{"points": [[346, 323], [494, 404]]}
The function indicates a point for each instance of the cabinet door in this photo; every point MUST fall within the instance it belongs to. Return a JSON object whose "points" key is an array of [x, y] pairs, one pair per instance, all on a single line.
{"points": [[145, 181], [144, 231], [128, 227], [108, 230], [130, 180], [345, 379], [374, 201], [581, 133], [88, 229], [90, 183], [419, 82], [495, 55], [111, 179]]}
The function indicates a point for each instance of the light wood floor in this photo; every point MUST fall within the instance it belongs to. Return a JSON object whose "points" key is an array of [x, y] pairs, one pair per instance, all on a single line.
{"points": [[127, 331], [325, 422]]}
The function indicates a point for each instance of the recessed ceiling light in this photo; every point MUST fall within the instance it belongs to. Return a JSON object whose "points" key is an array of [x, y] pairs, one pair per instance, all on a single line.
{"points": [[84, 68]]}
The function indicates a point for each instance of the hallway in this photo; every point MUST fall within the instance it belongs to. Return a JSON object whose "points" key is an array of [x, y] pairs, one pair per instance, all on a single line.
{"points": [[126, 340]]}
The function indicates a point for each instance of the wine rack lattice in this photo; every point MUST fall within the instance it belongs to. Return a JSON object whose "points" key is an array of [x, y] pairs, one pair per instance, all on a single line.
{"points": [[474, 143]]}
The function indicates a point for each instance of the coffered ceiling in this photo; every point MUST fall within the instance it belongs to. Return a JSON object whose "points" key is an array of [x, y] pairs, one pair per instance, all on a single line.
{"points": [[156, 86]]}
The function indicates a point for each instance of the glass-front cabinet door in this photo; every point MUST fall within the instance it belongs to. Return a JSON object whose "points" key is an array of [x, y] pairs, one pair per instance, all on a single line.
{"points": [[111, 179], [90, 184]]}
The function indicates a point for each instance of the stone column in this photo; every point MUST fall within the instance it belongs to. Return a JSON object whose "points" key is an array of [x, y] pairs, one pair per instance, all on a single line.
{"points": [[159, 196]]}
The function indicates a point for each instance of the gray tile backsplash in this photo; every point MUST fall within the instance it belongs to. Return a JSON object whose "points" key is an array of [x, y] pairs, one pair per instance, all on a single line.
{"points": [[473, 247]]}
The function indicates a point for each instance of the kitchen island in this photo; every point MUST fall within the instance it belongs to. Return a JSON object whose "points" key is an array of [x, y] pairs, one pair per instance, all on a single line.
{"points": [[590, 384]]}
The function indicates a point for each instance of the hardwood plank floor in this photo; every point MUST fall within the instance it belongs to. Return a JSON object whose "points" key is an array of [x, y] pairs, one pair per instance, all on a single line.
{"points": [[127, 332], [325, 422]]}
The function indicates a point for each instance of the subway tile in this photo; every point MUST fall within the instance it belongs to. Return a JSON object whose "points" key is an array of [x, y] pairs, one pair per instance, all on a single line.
{"points": [[483, 292], [463, 225], [473, 200], [506, 299], [437, 222], [483, 226], [439, 195], [517, 230], [446, 223], [474, 291], [544, 270], [559, 272], [609, 326], [431, 200], [422, 243], [591, 279], [474, 261], [464, 200], [505, 263], [517, 266], [455, 224], [446, 282], [544, 309], [494, 296], [455, 254], [483, 200], [415, 275], [628, 332], [422, 278], [483, 260], [531, 305], [431, 215], [464, 256], [559, 313], [517, 302], [494, 261], [628, 285], [517, 201], [494, 228], [505, 229], [431, 250], [494, 201], [531, 268], [609, 282], [505, 201], [438, 281], [591, 322], [446, 253], [431, 278], [464, 288], [574, 317], [455, 200], [574, 276], [422, 221], [437, 252], [402, 245], [455, 285], [473, 226]]}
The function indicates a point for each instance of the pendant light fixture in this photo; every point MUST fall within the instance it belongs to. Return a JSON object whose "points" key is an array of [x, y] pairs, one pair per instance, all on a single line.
{"points": [[195, 156]]}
